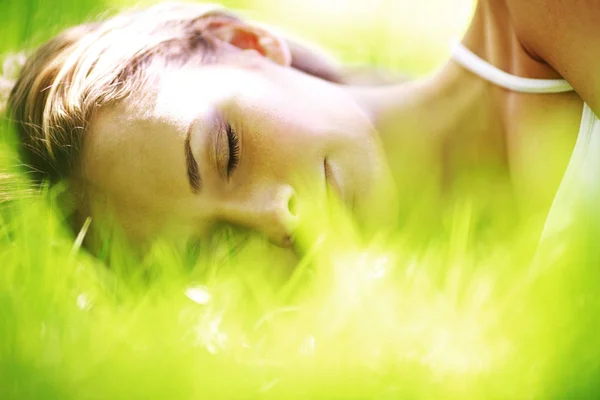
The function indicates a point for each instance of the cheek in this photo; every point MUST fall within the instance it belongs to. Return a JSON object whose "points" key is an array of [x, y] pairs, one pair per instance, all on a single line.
{"points": [[176, 221], [286, 142], [280, 157]]}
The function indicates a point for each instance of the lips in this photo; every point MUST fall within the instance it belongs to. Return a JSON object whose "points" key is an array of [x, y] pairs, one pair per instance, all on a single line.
{"points": [[335, 181]]}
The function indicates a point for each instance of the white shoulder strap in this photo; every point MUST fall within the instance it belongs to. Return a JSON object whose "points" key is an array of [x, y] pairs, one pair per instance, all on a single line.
{"points": [[580, 181], [487, 71]]}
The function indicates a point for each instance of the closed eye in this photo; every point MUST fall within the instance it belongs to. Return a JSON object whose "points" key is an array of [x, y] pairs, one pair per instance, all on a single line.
{"points": [[234, 150]]}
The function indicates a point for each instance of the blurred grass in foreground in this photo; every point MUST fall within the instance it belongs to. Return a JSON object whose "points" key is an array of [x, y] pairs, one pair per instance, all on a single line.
{"points": [[464, 314]]}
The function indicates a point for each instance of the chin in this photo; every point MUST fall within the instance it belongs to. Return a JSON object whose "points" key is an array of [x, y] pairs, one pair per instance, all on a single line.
{"points": [[376, 209]]}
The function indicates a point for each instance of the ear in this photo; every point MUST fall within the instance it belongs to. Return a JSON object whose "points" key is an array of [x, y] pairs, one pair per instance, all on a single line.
{"points": [[250, 37]]}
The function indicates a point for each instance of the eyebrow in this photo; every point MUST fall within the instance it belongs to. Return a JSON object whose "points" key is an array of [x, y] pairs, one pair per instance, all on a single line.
{"points": [[192, 166]]}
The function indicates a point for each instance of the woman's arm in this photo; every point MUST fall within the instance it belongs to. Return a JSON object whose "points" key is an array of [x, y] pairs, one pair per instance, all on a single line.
{"points": [[314, 61], [565, 35]]}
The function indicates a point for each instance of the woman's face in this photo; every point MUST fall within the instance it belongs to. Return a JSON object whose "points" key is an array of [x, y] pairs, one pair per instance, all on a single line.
{"points": [[245, 142]]}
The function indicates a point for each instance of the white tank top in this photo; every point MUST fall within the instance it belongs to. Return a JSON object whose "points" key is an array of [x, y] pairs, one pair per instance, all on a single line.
{"points": [[580, 184]]}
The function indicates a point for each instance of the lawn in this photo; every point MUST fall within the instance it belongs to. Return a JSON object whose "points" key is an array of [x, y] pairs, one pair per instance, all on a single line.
{"points": [[451, 306]]}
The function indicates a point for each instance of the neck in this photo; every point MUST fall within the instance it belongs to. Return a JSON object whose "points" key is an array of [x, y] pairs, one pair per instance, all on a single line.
{"points": [[440, 127], [427, 123]]}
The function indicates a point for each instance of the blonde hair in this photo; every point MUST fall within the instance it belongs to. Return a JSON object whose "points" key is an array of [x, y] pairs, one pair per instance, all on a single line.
{"points": [[70, 77], [90, 65]]}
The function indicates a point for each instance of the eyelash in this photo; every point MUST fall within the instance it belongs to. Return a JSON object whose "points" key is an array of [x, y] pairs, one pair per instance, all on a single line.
{"points": [[234, 150]]}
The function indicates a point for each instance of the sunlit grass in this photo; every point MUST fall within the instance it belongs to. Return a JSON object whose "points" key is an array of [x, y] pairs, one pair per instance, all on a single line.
{"points": [[355, 319], [448, 305]]}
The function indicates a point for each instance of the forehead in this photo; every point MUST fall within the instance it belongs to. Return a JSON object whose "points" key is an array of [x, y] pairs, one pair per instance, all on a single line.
{"points": [[153, 121], [134, 148], [131, 152]]}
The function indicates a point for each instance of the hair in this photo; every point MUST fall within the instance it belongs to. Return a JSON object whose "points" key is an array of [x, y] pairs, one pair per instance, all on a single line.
{"points": [[71, 76], [85, 67]]}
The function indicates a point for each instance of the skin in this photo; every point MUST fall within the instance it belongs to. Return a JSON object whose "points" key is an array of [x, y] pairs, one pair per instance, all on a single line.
{"points": [[457, 123], [300, 138], [445, 127]]}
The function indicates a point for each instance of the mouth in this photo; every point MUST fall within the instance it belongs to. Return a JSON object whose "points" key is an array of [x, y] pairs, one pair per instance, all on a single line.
{"points": [[335, 183]]}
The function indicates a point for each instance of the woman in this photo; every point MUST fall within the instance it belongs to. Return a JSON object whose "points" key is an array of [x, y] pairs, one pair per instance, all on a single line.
{"points": [[512, 96], [180, 117]]}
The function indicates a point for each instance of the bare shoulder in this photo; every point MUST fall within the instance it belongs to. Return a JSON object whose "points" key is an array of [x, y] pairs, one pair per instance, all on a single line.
{"points": [[566, 35]]}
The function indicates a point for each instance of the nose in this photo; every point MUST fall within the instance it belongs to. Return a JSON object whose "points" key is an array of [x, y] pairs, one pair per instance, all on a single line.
{"points": [[280, 217], [272, 212]]}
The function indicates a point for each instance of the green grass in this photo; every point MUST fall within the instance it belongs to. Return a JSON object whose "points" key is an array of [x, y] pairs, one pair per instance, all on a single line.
{"points": [[449, 307]]}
